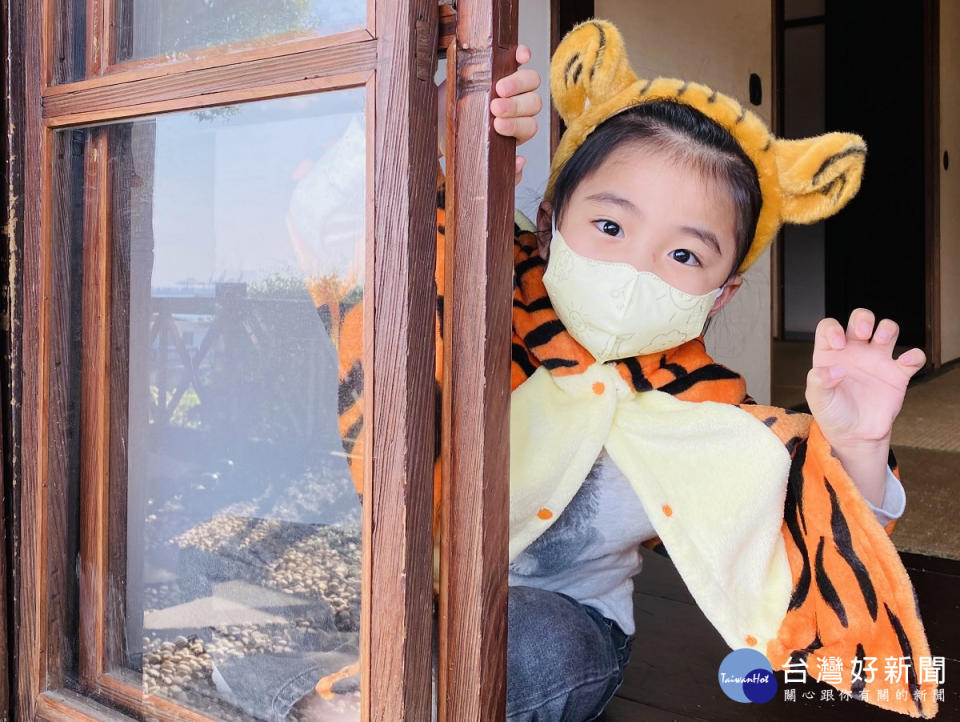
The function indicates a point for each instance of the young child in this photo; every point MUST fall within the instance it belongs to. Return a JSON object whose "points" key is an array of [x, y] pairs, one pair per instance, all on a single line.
{"points": [[625, 432]]}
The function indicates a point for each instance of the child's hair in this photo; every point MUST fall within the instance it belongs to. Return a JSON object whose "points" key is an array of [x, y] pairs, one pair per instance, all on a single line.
{"points": [[688, 137]]}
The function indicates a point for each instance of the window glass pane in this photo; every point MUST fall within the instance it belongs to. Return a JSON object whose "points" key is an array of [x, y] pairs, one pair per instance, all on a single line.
{"points": [[150, 29], [236, 265]]}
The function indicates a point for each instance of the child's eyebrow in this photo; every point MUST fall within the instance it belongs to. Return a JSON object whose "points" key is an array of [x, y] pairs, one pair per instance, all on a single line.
{"points": [[608, 197], [705, 236]]}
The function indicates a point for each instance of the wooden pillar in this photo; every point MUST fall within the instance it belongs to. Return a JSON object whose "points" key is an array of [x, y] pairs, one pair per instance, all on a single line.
{"points": [[478, 265]]}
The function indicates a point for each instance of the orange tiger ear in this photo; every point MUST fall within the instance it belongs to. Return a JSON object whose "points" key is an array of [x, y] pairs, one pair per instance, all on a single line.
{"points": [[819, 175], [588, 67]]}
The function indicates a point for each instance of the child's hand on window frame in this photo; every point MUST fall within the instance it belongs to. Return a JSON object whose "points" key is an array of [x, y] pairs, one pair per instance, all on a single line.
{"points": [[514, 109]]}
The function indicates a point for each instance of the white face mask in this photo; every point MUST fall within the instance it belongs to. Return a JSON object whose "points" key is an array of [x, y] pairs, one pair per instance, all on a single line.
{"points": [[615, 311]]}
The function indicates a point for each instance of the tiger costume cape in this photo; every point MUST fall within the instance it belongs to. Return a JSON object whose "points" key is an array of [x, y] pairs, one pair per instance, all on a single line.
{"points": [[849, 594], [809, 577]]}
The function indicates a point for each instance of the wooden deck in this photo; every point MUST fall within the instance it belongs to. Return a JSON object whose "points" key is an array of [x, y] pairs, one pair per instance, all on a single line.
{"points": [[676, 654]]}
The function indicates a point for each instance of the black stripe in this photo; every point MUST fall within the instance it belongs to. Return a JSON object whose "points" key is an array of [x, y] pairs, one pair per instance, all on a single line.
{"points": [[855, 150], [526, 265], [522, 360], [828, 188], [827, 590], [710, 372], [566, 70], [539, 304], [544, 333], [576, 72], [640, 382], [556, 363], [676, 369], [683, 88], [325, 318], [350, 438], [841, 537], [790, 514], [440, 313], [792, 444], [802, 654], [908, 653], [857, 685], [350, 389], [600, 49]]}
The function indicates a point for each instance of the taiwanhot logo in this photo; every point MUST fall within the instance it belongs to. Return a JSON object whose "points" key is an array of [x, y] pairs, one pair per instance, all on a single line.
{"points": [[746, 676]]}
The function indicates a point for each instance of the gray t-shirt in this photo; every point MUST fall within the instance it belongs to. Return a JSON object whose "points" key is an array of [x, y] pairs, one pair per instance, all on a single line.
{"points": [[591, 552]]}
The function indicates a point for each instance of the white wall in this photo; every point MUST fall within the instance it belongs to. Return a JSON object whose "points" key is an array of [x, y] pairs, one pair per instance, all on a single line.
{"points": [[718, 44], [950, 180]]}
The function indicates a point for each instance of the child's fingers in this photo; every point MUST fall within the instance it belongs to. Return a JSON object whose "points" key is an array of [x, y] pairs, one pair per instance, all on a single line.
{"points": [[519, 106], [518, 173], [523, 129], [829, 335], [886, 333], [523, 54], [821, 383], [524, 80], [860, 325], [912, 361]]}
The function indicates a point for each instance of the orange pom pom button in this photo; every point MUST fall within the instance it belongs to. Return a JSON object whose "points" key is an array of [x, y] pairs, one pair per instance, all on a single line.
{"points": [[598, 388], [751, 640], [545, 513], [667, 510]]}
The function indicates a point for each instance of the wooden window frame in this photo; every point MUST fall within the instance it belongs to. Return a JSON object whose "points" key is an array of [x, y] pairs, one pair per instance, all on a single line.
{"points": [[395, 63]]}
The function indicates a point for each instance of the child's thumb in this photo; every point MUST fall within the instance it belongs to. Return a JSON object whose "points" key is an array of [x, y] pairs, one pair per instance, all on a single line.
{"points": [[821, 380]]}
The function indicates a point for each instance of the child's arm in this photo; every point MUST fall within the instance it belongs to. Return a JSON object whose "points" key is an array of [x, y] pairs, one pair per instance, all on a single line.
{"points": [[855, 389]]}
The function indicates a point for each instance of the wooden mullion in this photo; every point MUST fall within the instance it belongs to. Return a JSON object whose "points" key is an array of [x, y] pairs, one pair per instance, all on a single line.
{"points": [[129, 695], [94, 412], [191, 89], [265, 92], [448, 27], [93, 45], [478, 265], [30, 513], [68, 706], [397, 605], [207, 59]]}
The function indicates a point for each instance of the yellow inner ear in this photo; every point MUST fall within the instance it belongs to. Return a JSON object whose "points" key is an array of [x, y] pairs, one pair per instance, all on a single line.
{"points": [[589, 66], [819, 175]]}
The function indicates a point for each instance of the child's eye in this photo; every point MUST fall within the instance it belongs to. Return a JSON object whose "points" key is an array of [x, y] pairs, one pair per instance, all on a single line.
{"points": [[685, 256], [609, 227]]}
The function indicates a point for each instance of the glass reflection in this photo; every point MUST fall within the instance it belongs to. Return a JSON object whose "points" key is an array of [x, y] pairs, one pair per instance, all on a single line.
{"points": [[151, 29], [237, 234]]}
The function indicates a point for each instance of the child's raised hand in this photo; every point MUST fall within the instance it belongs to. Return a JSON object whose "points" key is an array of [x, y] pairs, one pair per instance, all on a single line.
{"points": [[518, 103], [855, 389]]}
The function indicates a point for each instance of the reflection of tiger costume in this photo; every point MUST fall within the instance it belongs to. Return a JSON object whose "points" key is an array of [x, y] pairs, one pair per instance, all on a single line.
{"points": [[851, 596]]}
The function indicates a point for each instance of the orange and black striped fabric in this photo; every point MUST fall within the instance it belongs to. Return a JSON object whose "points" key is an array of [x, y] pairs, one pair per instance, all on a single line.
{"points": [[851, 598]]}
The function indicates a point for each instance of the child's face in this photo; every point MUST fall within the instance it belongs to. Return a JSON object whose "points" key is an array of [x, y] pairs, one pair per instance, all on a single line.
{"points": [[643, 209]]}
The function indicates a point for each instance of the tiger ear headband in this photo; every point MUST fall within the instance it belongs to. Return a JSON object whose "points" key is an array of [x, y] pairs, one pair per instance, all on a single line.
{"points": [[801, 181]]}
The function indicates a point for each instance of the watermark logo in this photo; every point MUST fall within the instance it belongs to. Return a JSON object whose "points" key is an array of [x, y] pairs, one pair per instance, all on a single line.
{"points": [[746, 676]]}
